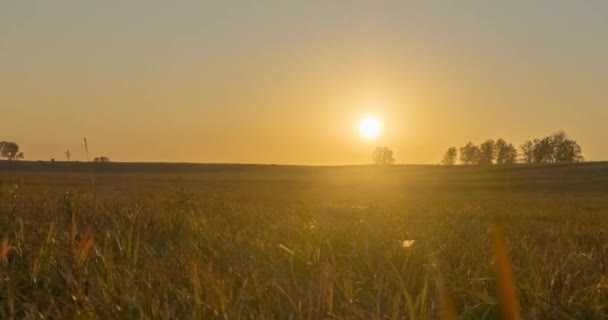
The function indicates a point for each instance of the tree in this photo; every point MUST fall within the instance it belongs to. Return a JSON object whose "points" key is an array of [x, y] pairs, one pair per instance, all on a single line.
{"points": [[10, 151], [101, 159], [449, 159], [543, 150], [554, 148], [487, 152], [564, 149], [505, 152], [527, 151], [469, 154], [500, 148], [68, 155], [510, 154], [383, 155], [538, 151]]}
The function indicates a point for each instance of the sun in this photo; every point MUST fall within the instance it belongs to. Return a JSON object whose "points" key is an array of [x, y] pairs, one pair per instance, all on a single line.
{"points": [[370, 127]]}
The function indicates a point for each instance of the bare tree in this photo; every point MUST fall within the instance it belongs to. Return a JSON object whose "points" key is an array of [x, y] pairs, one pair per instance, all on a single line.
{"points": [[383, 155], [68, 155], [469, 154], [449, 159]]}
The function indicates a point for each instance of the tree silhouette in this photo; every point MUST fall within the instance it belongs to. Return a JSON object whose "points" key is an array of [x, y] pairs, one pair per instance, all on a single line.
{"points": [[383, 155], [505, 152], [554, 148], [10, 151], [543, 150], [68, 155], [487, 152], [469, 154], [564, 149], [449, 159], [101, 159], [527, 151]]}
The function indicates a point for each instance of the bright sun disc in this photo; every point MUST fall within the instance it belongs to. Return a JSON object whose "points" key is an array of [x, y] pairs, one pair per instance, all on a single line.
{"points": [[370, 127]]}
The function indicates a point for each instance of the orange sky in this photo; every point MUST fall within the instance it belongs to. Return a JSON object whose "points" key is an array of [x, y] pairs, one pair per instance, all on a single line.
{"points": [[280, 82]]}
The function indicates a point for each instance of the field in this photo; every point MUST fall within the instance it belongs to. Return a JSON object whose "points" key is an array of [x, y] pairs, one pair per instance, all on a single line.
{"points": [[164, 241]]}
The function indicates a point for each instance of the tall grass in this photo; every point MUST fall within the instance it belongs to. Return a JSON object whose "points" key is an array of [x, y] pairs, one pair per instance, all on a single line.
{"points": [[286, 255]]}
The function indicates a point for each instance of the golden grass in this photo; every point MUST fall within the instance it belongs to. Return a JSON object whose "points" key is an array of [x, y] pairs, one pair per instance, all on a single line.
{"points": [[237, 252]]}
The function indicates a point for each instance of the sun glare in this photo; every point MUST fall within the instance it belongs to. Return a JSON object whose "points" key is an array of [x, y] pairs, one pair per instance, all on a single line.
{"points": [[370, 128]]}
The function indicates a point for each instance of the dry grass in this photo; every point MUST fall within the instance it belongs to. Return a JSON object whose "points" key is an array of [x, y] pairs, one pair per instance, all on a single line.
{"points": [[230, 249]]}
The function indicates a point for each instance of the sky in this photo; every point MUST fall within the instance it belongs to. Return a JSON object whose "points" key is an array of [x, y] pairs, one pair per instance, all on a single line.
{"points": [[287, 82]]}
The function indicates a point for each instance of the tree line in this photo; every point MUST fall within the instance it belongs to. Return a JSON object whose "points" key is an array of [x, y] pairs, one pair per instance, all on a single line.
{"points": [[556, 148]]}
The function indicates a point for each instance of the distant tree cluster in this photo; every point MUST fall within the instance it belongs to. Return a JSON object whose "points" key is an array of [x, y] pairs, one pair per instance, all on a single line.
{"points": [[554, 148], [10, 151], [383, 155], [489, 152], [101, 159]]}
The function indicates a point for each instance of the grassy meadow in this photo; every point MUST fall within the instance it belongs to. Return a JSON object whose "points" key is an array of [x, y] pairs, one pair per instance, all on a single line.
{"points": [[166, 241]]}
